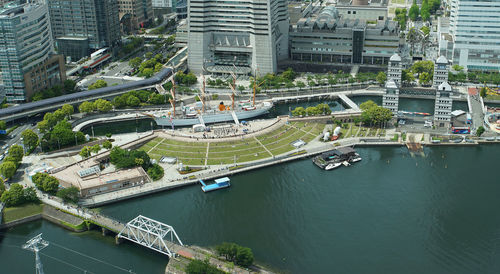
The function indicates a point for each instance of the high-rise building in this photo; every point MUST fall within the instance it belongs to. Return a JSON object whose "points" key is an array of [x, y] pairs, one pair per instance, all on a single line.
{"points": [[135, 14], [244, 36], [443, 105], [83, 26], [475, 29], [395, 69], [27, 60], [440, 71]]}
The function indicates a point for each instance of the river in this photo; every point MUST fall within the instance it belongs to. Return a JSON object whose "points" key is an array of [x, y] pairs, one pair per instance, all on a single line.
{"points": [[390, 213]]}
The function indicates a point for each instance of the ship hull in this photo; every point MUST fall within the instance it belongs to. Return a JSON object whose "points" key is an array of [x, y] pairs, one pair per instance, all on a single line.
{"points": [[212, 118]]}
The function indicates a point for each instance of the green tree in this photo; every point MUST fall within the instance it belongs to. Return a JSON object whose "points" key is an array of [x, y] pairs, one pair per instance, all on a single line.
{"points": [[3, 125], [289, 74], [244, 256], [381, 78], [414, 11], [103, 105], [98, 84], [202, 267], [480, 130], [407, 76], [14, 196], [69, 86], [86, 107], [135, 62], [299, 111], [95, 148], [46, 183], [133, 101], [457, 67], [425, 11], [69, 195], [16, 152], [8, 169], [401, 17], [68, 110], [189, 79], [424, 78], [149, 55], [107, 144], [483, 92], [30, 139], [367, 105], [300, 84], [85, 152], [156, 172], [425, 29]]}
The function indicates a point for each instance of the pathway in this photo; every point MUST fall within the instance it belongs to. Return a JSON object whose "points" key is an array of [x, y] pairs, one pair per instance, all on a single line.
{"points": [[263, 146], [349, 102], [206, 155], [156, 145]]}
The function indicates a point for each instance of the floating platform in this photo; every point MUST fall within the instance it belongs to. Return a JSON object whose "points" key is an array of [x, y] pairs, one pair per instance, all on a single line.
{"points": [[219, 184], [414, 147]]}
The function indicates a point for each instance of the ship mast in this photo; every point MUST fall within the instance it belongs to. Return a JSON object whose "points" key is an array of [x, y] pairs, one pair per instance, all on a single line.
{"points": [[233, 87], [255, 86], [172, 101], [202, 98]]}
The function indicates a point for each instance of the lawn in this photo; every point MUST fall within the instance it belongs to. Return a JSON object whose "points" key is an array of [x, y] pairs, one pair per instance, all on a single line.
{"points": [[277, 142], [15, 213]]}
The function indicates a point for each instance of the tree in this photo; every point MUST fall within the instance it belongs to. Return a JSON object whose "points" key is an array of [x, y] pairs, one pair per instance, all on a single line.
{"points": [[457, 67], [483, 92], [289, 74], [434, 5], [103, 105], [135, 62], [156, 172], [323, 109], [30, 139], [299, 111], [480, 130], [414, 11], [300, 84], [426, 30], [14, 196], [367, 105], [244, 256], [68, 110], [189, 79], [16, 152], [133, 101], [69, 195], [69, 86], [147, 72], [202, 267], [3, 125], [95, 148], [98, 84], [46, 183], [149, 55], [86, 107], [85, 152], [401, 17], [407, 76], [107, 144], [8, 169], [381, 78], [425, 11], [424, 78]]}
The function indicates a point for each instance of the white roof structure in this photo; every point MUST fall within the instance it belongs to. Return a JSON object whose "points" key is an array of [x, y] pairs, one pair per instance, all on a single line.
{"points": [[442, 60], [395, 58], [390, 83], [445, 86], [457, 112]]}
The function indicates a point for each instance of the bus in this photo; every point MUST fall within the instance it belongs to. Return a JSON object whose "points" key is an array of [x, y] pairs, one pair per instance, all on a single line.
{"points": [[460, 130]]}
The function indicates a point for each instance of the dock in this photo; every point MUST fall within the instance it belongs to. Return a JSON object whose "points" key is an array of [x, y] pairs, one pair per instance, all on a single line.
{"points": [[219, 184]]}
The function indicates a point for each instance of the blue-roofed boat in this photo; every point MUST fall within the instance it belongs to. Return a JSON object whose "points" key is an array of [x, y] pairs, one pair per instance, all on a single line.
{"points": [[219, 183]]}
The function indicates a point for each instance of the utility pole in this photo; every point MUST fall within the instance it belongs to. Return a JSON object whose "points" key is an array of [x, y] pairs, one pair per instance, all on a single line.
{"points": [[36, 244]]}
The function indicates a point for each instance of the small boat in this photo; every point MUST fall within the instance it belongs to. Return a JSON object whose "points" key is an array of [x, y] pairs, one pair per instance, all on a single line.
{"points": [[346, 163], [219, 183], [357, 159], [332, 166]]}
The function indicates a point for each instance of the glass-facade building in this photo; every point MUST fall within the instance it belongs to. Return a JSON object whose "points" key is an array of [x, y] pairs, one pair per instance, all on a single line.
{"points": [[475, 28], [27, 60]]}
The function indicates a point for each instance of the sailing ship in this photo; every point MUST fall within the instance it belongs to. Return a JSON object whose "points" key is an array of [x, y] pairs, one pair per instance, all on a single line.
{"points": [[199, 114]]}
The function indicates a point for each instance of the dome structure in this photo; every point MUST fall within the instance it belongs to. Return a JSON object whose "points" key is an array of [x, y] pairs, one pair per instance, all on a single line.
{"points": [[395, 58], [442, 60], [444, 87]]}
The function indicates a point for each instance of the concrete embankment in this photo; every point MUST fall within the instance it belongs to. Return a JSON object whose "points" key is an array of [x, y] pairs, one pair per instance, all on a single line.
{"points": [[52, 215]]}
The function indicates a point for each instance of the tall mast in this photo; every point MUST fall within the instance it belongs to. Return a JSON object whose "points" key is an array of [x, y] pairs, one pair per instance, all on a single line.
{"points": [[233, 87], [172, 91], [202, 99]]}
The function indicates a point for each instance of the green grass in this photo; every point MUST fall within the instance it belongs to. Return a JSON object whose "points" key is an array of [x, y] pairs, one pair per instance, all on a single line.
{"points": [[277, 141], [15, 213], [493, 97]]}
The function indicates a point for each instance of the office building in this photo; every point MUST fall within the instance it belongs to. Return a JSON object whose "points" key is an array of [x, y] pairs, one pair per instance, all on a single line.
{"points": [[181, 9], [27, 60], [440, 71], [390, 100], [363, 9], [244, 36], [135, 14], [328, 38], [395, 69], [475, 29], [81, 27], [443, 105]]}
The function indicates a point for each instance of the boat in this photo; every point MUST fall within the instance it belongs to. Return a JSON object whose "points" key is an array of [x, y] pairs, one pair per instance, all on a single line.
{"points": [[245, 109], [346, 163], [332, 166], [215, 116], [357, 159], [219, 184]]}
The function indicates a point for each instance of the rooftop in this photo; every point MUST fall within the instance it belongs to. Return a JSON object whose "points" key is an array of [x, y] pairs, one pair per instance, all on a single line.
{"points": [[442, 60], [395, 58]]}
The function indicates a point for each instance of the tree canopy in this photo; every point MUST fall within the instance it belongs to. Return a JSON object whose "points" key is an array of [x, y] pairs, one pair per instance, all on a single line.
{"points": [[98, 84], [374, 114], [46, 183], [242, 256], [414, 11], [69, 195], [16, 195], [122, 158]]}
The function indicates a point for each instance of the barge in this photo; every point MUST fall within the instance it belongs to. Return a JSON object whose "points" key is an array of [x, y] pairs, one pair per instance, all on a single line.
{"points": [[335, 158], [219, 184]]}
